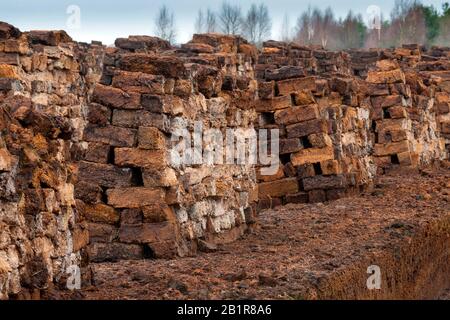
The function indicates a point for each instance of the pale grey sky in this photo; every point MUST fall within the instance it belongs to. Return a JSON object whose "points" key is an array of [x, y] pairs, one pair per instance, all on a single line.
{"points": [[107, 20]]}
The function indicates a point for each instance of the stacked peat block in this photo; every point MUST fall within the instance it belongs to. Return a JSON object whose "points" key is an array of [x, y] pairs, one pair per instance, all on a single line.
{"points": [[419, 125], [324, 140], [439, 52], [434, 72], [301, 60], [422, 109], [222, 71], [95, 124], [362, 60], [390, 97], [138, 202], [426, 113], [290, 106], [350, 126], [41, 119], [442, 109], [330, 62], [409, 55], [275, 54], [124, 138]]}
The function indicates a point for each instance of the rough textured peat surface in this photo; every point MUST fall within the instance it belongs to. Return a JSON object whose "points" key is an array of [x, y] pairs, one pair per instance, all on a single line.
{"points": [[86, 172], [312, 251]]}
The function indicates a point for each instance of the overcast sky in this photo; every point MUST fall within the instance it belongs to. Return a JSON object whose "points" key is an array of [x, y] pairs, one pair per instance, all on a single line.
{"points": [[106, 20]]}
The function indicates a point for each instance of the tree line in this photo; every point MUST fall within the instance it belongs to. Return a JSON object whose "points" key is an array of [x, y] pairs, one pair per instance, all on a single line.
{"points": [[410, 21], [255, 25]]}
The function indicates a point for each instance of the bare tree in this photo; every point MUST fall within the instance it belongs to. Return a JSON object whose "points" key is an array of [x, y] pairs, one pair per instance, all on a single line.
{"points": [[250, 24], [230, 18], [305, 27], [165, 24], [286, 29], [257, 24], [407, 24], [351, 32], [200, 22], [444, 37], [210, 23], [205, 23], [315, 27], [325, 24]]}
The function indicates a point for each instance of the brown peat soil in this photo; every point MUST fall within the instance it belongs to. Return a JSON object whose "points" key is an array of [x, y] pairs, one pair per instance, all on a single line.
{"points": [[312, 251]]}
